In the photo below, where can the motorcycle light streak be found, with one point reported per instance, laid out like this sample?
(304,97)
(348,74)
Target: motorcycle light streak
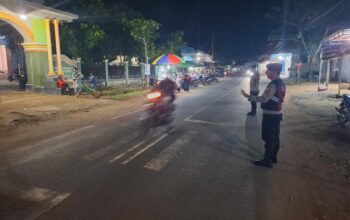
(154,95)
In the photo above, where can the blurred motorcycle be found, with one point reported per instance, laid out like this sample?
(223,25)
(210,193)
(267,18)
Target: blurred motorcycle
(343,111)
(160,110)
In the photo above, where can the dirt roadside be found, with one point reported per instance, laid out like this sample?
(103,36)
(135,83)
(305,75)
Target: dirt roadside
(313,175)
(25,118)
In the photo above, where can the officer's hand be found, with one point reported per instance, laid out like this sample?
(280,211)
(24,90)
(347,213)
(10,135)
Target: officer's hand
(244,94)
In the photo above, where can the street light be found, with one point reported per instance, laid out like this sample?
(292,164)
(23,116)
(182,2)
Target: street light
(23,17)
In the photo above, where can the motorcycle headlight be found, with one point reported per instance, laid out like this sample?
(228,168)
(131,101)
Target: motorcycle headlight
(154,95)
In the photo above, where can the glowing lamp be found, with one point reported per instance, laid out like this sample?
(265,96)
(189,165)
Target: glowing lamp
(23,17)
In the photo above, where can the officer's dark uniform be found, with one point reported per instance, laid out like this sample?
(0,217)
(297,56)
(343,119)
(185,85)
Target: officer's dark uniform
(271,104)
(272,117)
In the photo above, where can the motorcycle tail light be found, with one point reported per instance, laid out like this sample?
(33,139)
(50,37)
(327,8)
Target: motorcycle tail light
(154,95)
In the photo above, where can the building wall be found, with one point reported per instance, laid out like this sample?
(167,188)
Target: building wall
(345,68)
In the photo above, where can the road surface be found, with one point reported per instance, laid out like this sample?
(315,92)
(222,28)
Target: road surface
(198,168)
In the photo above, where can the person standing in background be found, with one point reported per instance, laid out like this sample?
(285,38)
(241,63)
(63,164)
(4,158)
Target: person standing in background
(254,89)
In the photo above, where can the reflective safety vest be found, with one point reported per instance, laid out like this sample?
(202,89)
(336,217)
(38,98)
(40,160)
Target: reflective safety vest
(275,103)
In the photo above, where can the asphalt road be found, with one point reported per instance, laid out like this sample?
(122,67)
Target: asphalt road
(198,168)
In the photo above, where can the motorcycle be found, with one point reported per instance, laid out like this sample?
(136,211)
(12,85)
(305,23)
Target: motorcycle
(12,77)
(159,111)
(211,78)
(343,111)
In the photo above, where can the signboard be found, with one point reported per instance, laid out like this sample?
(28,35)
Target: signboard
(147,69)
(285,59)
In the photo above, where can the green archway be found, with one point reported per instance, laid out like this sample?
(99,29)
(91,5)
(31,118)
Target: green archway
(33,21)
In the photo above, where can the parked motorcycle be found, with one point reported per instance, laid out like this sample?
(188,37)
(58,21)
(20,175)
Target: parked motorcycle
(12,77)
(160,110)
(211,78)
(343,111)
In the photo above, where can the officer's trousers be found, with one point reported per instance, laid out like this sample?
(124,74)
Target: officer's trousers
(271,135)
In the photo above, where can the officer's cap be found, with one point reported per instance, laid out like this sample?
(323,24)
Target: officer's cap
(274,67)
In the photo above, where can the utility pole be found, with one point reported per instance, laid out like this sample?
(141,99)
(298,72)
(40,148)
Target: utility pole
(212,45)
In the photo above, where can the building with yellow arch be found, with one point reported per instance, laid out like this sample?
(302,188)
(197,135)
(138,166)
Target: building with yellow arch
(37,23)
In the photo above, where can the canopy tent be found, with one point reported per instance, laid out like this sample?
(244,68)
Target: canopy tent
(168,59)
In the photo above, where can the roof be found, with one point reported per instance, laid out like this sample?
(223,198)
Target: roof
(336,44)
(341,35)
(37,10)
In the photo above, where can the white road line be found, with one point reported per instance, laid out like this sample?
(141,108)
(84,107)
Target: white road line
(134,147)
(49,205)
(33,194)
(58,137)
(129,150)
(165,156)
(146,148)
(46,199)
(130,113)
(206,122)
(100,153)
(72,132)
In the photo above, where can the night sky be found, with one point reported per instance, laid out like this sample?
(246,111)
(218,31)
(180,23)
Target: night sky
(239,26)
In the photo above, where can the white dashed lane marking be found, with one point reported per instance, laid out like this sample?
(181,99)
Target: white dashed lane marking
(146,148)
(133,148)
(45,199)
(129,113)
(101,152)
(165,156)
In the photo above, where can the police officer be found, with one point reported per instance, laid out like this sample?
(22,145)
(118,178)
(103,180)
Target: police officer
(254,89)
(271,104)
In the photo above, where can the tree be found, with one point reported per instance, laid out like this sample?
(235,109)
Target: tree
(83,40)
(304,24)
(83,37)
(145,31)
(175,42)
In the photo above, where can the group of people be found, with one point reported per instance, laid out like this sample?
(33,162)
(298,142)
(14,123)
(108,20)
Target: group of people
(183,83)
(63,84)
(179,82)
(271,103)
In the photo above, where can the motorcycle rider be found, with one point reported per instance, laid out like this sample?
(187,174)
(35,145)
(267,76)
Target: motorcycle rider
(168,87)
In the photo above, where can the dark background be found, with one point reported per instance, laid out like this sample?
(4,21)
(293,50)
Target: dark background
(239,26)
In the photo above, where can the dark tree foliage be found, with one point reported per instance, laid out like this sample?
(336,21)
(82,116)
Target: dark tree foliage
(104,31)
(302,25)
